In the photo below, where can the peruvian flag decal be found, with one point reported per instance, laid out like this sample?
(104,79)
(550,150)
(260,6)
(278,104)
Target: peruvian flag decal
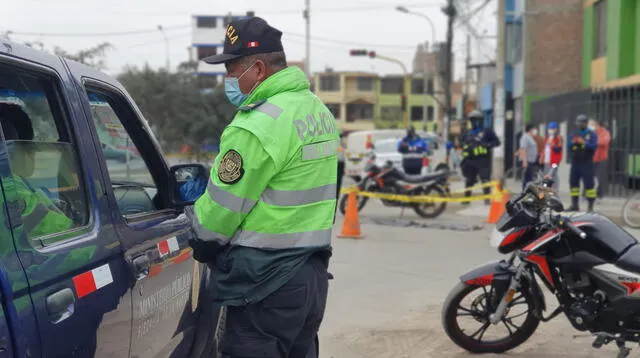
(167,247)
(252,44)
(91,281)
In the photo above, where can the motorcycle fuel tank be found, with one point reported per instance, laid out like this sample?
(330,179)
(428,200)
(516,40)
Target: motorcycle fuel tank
(604,239)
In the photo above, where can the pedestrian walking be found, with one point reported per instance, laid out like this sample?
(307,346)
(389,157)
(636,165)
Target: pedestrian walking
(601,156)
(552,152)
(529,154)
(582,146)
(413,149)
(264,223)
(477,145)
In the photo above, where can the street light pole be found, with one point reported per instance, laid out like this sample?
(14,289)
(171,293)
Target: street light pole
(426,78)
(166,45)
(307,17)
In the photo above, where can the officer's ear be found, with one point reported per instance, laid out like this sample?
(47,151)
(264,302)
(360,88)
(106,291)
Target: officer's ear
(262,70)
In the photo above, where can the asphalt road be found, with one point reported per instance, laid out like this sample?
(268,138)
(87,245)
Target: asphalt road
(388,290)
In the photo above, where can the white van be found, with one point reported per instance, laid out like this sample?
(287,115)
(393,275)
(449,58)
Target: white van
(359,145)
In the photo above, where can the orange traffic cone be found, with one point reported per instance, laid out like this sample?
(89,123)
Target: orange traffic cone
(351,223)
(498,203)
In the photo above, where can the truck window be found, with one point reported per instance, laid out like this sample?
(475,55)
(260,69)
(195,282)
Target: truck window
(45,193)
(131,179)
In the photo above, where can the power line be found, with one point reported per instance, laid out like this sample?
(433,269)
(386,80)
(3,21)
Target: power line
(86,34)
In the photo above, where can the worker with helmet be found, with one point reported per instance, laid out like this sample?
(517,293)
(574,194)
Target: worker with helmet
(477,145)
(413,149)
(582,146)
(552,154)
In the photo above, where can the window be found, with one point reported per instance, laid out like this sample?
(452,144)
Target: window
(206,22)
(365,84)
(44,191)
(391,113)
(416,113)
(417,86)
(430,113)
(600,27)
(334,108)
(329,83)
(204,52)
(391,85)
(131,178)
(430,87)
(359,111)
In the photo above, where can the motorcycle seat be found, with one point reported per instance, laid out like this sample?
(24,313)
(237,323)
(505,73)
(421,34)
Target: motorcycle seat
(630,260)
(417,179)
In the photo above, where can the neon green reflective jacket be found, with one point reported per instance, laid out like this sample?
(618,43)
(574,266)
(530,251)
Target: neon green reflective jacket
(272,189)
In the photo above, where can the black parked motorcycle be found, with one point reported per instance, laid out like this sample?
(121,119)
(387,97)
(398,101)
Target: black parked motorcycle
(390,180)
(590,264)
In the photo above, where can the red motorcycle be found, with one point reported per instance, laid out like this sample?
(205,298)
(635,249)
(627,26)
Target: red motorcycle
(590,264)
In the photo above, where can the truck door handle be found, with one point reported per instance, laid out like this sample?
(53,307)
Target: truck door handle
(140,266)
(60,305)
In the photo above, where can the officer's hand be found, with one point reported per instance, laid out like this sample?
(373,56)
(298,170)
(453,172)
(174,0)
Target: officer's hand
(203,251)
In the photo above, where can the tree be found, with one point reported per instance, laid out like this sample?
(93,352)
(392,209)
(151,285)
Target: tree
(94,56)
(178,110)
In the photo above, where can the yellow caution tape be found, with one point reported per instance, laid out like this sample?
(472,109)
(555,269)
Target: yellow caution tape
(454,197)
(425,198)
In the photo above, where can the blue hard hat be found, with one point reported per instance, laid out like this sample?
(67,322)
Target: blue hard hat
(552,125)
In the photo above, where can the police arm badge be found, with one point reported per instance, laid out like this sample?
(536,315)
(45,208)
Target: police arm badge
(230,169)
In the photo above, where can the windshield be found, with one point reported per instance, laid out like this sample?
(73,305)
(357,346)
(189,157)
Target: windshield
(386,146)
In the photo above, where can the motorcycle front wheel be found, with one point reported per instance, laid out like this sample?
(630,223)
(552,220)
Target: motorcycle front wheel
(362,201)
(518,324)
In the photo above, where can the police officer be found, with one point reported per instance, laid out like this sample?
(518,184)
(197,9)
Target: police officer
(413,149)
(582,145)
(265,221)
(476,153)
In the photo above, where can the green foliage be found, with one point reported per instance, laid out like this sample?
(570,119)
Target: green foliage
(93,56)
(175,106)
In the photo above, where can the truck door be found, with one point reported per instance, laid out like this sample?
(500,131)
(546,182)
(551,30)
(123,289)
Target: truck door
(70,255)
(154,236)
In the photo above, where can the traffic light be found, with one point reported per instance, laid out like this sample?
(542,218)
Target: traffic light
(358,52)
(372,54)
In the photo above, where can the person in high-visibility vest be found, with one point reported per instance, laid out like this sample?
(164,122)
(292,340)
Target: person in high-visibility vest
(265,221)
(476,153)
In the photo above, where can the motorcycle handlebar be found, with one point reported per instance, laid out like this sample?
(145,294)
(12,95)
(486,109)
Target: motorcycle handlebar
(581,234)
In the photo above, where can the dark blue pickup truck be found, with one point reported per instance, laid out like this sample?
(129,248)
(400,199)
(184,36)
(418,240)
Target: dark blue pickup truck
(94,253)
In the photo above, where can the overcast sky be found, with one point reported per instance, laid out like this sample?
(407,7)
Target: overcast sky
(336,27)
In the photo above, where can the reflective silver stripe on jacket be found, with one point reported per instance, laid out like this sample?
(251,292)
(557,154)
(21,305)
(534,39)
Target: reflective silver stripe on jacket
(202,233)
(34,218)
(229,200)
(320,150)
(282,241)
(299,197)
(270,110)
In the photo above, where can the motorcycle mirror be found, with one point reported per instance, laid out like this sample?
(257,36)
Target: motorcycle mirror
(555,204)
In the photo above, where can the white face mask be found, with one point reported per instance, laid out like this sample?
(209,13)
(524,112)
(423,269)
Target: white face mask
(534,132)
(592,127)
(551,132)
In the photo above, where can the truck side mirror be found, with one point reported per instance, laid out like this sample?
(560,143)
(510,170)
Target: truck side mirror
(190,182)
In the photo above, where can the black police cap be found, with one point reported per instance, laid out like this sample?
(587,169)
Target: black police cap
(245,37)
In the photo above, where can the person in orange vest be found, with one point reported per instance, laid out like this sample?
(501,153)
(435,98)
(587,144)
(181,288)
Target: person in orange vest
(552,152)
(601,156)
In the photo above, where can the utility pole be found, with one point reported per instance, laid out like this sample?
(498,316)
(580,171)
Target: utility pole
(307,16)
(498,110)
(466,67)
(450,11)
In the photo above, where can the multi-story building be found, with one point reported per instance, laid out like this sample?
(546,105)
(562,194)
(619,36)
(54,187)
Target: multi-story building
(207,39)
(359,99)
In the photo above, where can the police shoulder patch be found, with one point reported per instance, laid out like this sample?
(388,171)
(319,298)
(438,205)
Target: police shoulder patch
(252,106)
(230,169)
